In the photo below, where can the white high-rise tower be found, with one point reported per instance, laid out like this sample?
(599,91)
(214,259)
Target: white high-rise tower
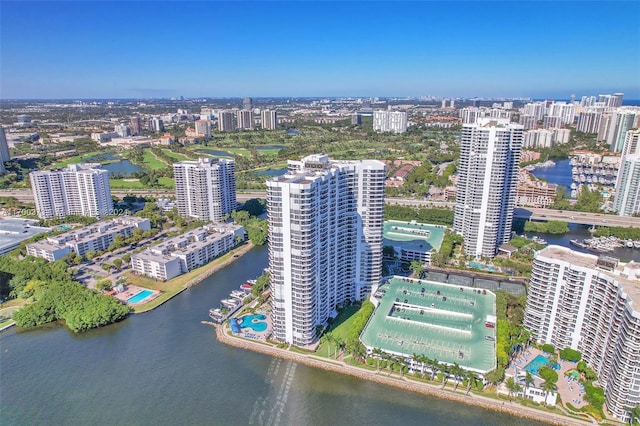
(325,241)
(80,189)
(487,184)
(206,188)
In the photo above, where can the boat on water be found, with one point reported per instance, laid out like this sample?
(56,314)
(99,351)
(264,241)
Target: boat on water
(229,303)
(578,244)
(246,286)
(539,240)
(628,244)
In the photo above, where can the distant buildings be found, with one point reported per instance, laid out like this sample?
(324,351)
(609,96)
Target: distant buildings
(269,119)
(627,199)
(183,253)
(123,130)
(390,121)
(157,125)
(4,150)
(206,188)
(325,241)
(96,237)
(225,121)
(545,138)
(247,104)
(590,304)
(79,189)
(487,179)
(203,129)
(621,121)
(245,119)
(136,126)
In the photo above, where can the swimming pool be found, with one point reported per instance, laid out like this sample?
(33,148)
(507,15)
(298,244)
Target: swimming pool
(140,296)
(538,362)
(255,322)
(482,267)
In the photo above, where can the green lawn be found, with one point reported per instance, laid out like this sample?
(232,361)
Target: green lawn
(339,329)
(175,155)
(164,182)
(152,162)
(75,159)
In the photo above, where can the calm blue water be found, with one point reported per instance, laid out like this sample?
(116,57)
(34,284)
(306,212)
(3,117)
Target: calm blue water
(140,296)
(216,152)
(272,172)
(165,367)
(481,267)
(538,362)
(248,322)
(560,174)
(98,158)
(293,132)
(123,167)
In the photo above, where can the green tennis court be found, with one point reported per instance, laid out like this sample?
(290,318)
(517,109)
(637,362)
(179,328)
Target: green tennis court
(450,323)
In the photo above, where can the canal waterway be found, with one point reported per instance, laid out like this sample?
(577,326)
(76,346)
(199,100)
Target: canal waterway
(559,174)
(165,367)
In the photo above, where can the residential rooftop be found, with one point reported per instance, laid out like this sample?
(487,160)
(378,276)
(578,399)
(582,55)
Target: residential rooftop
(627,274)
(413,235)
(14,231)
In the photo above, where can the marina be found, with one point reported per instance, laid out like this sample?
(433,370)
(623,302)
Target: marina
(228,307)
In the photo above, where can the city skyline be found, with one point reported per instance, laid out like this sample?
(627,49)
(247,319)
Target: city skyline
(453,49)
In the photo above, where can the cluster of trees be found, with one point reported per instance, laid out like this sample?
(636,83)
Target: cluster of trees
(55,296)
(550,227)
(424,365)
(255,206)
(570,354)
(509,331)
(449,242)
(620,232)
(256,229)
(426,215)
(588,201)
(353,345)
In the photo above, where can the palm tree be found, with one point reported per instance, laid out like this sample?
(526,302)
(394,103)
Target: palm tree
(512,386)
(472,377)
(457,371)
(548,387)
(444,369)
(528,381)
(434,365)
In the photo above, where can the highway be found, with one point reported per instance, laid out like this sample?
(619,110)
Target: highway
(532,213)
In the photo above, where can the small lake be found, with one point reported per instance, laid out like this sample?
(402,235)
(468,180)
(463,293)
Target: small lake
(216,152)
(293,132)
(114,165)
(122,167)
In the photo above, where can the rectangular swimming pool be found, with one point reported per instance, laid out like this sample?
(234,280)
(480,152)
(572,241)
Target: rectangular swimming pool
(140,296)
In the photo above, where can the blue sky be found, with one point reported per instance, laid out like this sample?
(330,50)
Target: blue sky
(128,49)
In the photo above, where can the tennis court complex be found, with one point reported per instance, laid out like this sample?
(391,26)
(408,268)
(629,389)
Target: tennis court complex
(450,323)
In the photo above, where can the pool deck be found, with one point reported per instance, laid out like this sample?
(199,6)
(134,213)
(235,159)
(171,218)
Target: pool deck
(132,290)
(568,387)
(249,333)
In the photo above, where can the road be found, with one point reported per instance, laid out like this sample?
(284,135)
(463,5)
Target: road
(532,213)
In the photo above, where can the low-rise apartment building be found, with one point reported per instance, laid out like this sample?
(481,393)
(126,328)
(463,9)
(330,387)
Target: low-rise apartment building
(187,251)
(96,237)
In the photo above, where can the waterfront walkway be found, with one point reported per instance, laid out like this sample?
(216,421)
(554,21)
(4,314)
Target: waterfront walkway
(513,408)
